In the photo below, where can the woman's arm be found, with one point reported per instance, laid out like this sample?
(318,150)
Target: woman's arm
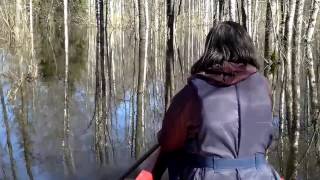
(173,133)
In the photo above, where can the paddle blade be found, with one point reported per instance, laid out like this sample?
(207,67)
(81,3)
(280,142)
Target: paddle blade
(144,175)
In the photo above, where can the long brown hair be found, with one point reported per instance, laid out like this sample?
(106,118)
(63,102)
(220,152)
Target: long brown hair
(226,42)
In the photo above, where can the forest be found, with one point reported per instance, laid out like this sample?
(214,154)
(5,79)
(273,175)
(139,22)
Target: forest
(84,84)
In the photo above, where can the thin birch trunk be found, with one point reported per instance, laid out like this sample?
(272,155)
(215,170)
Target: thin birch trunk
(103,28)
(143,54)
(33,68)
(288,62)
(292,166)
(311,69)
(232,10)
(221,9)
(169,83)
(244,15)
(268,49)
(67,153)
(18,22)
(23,127)
(249,17)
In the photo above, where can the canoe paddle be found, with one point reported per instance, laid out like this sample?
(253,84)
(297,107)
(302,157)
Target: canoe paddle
(139,162)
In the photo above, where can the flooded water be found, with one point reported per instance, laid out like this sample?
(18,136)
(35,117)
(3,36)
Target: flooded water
(32,84)
(32,100)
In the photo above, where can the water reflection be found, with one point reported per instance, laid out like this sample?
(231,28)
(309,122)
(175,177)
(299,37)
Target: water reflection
(32,99)
(34,104)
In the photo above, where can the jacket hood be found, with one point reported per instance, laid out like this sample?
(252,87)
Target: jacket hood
(227,74)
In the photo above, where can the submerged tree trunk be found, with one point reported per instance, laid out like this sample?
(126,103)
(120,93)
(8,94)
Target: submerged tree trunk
(103,121)
(22,117)
(8,133)
(67,152)
(169,84)
(100,111)
(143,54)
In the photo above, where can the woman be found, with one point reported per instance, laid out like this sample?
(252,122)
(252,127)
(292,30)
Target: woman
(219,125)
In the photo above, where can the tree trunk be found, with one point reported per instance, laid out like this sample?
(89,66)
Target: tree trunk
(169,84)
(103,45)
(232,10)
(23,127)
(243,15)
(221,9)
(67,152)
(268,41)
(18,22)
(292,167)
(247,15)
(311,68)
(32,68)
(143,54)
(8,134)
(288,62)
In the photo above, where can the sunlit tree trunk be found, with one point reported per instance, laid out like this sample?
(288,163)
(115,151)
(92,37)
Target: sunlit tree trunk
(214,7)
(8,133)
(292,166)
(143,54)
(311,69)
(207,12)
(189,33)
(232,10)
(133,98)
(67,152)
(280,89)
(18,22)
(256,16)
(156,38)
(288,62)
(33,66)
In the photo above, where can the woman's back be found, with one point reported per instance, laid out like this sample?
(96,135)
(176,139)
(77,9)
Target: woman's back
(235,123)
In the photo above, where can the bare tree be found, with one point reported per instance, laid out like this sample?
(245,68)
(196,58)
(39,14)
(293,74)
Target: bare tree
(169,84)
(288,61)
(292,166)
(67,152)
(232,10)
(143,54)
(311,69)
(269,44)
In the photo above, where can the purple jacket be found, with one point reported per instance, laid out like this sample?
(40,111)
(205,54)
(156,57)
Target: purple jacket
(226,116)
